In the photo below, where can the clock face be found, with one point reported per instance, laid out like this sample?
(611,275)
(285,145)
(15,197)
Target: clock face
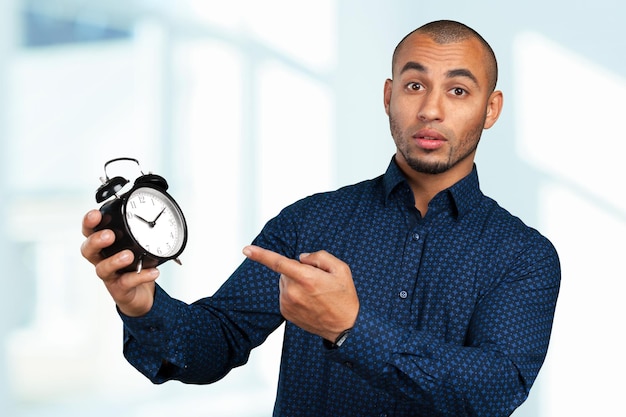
(155,221)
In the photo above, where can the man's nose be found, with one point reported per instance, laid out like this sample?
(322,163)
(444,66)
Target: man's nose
(431,108)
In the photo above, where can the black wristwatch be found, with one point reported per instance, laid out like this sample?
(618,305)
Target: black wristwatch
(339,341)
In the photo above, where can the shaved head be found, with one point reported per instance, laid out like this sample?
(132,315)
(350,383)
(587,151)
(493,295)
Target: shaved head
(449,31)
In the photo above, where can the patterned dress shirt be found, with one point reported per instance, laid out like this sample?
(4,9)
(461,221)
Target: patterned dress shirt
(456,308)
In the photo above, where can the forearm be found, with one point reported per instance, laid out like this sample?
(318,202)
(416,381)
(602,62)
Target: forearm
(448,379)
(178,341)
(202,342)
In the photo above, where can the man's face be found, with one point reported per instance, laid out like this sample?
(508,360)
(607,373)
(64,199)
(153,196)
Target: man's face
(438,104)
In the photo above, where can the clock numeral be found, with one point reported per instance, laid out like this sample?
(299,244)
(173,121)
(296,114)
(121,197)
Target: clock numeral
(142,198)
(133,204)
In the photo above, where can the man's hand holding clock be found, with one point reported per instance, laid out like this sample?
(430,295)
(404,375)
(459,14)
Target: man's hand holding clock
(132,292)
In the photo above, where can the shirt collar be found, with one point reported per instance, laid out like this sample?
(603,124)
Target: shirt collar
(460,197)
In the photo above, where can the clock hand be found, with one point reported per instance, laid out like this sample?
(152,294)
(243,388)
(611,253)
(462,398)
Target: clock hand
(142,219)
(153,222)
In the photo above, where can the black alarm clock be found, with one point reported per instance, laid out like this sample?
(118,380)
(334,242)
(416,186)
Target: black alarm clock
(144,218)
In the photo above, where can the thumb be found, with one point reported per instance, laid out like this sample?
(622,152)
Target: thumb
(320,259)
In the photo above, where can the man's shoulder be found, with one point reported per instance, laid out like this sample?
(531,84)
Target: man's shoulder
(509,229)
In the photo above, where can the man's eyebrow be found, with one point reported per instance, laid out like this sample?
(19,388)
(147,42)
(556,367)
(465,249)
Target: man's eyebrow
(412,65)
(462,72)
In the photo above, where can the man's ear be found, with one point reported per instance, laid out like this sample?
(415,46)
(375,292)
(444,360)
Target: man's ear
(494,108)
(387,94)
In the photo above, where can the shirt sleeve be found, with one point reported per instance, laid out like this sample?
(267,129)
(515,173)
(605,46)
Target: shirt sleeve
(491,373)
(203,341)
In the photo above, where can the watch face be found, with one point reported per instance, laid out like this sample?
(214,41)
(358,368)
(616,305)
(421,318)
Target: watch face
(155,222)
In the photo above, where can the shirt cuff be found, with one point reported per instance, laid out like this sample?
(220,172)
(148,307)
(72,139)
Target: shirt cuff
(151,328)
(369,348)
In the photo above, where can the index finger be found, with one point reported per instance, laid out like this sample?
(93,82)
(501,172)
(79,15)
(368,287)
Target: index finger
(274,261)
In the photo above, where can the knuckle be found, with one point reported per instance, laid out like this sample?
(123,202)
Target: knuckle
(83,250)
(278,265)
(86,246)
(344,268)
(102,270)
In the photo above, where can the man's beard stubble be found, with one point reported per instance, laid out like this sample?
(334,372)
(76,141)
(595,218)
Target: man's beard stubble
(435,167)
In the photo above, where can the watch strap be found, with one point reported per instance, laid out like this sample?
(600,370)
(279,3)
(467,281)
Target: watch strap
(339,341)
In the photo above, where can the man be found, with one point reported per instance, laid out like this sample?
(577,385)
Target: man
(411,294)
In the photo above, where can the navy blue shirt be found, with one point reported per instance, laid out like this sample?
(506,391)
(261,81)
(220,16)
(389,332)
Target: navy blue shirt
(456,308)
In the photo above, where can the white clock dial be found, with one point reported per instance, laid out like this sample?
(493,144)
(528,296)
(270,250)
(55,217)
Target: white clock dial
(155,222)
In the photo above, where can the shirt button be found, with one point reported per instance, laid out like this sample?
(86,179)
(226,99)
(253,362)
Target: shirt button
(403,294)
(349,364)
(416,236)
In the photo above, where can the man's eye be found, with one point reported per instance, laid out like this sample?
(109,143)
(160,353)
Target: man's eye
(458,91)
(415,86)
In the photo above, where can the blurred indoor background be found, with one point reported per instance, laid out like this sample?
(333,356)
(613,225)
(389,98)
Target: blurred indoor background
(246,106)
